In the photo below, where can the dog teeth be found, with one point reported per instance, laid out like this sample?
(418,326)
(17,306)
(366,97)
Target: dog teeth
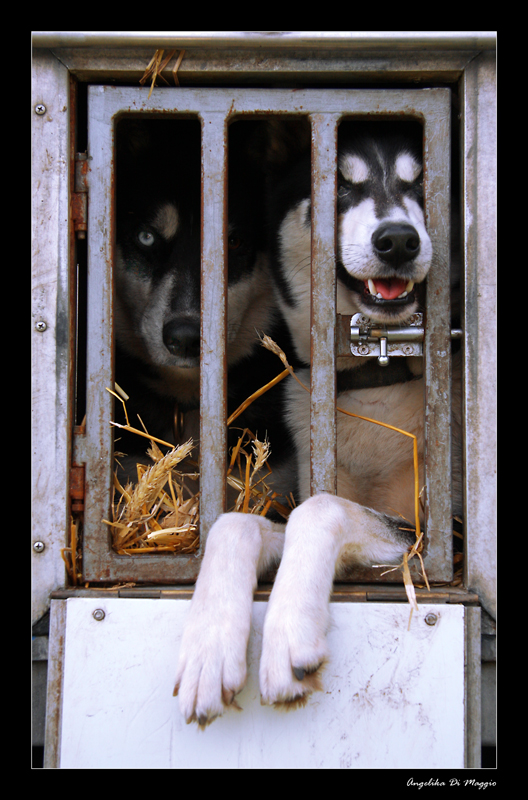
(408,288)
(372,289)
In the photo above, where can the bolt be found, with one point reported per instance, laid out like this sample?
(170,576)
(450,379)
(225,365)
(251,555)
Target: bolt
(40,327)
(40,109)
(431,619)
(363,350)
(98,614)
(38,547)
(407,349)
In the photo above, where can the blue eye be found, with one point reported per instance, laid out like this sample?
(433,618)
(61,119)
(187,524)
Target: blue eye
(146,238)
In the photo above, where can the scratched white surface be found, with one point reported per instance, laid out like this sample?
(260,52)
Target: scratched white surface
(392,698)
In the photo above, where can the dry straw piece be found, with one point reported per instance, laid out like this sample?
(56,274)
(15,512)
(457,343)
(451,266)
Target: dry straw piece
(161,511)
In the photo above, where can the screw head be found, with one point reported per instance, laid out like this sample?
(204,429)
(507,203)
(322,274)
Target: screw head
(99,614)
(40,326)
(38,547)
(40,109)
(431,619)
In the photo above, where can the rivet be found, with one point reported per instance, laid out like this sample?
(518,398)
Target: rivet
(40,109)
(38,547)
(431,619)
(98,614)
(40,326)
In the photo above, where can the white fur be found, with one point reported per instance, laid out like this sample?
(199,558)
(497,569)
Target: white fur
(407,168)
(167,220)
(353,168)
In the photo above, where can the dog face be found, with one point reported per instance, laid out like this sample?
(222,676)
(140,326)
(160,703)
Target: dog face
(157,315)
(383,252)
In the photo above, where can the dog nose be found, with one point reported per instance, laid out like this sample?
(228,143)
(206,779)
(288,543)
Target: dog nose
(181,337)
(396,242)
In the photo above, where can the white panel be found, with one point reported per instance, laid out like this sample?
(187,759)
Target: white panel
(392,698)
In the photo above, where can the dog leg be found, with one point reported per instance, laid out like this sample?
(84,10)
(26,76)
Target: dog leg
(212,660)
(322,533)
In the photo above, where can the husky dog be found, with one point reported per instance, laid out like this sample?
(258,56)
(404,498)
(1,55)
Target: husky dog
(157,308)
(384,254)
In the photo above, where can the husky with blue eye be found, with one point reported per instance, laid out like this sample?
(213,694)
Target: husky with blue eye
(384,253)
(157,280)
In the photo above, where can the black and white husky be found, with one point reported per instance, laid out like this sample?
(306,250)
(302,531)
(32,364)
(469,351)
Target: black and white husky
(157,305)
(384,255)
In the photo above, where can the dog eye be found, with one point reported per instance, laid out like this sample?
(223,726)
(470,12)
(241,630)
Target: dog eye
(343,191)
(146,238)
(234,242)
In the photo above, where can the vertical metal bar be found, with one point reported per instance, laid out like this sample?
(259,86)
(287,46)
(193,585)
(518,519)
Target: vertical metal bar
(323,320)
(437,347)
(57,636)
(473,687)
(213,408)
(99,327)
(479,153)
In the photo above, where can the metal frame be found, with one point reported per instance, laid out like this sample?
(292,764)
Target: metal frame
(466,58)
(427,58)
(216,108)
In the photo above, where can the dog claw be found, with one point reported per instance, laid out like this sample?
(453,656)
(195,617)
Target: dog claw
(299,673)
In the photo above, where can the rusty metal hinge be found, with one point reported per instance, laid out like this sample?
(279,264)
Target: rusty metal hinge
(77,492)
(79,198)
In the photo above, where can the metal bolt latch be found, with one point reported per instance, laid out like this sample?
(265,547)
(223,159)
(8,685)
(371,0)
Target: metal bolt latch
(40,109)
(368,338)
(99,614)
(38,547)
(431,619)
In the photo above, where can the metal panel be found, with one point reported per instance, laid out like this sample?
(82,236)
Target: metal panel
(216,107)
(479,155)
(51,332)
(393,696)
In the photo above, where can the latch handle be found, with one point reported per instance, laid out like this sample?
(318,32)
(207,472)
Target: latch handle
(368,338)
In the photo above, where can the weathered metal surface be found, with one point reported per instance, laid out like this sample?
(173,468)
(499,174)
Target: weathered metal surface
(390,40)
(213,407)
(392,697)
(437,345)
(479,150)
(50,330)
(323,314)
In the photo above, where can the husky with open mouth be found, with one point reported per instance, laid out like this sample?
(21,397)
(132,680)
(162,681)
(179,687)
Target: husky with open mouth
(384,254)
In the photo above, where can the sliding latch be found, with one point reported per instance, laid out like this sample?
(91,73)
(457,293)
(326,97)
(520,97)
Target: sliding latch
(368,338)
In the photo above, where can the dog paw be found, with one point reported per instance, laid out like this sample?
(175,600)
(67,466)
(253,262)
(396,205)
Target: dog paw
(212,669)
(294,652)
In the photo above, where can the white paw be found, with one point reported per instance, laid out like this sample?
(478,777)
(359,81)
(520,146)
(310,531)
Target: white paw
(294,651)
(212,663)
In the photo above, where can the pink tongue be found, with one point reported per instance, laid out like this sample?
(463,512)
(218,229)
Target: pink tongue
(390,288)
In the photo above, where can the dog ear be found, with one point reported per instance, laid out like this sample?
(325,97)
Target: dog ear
(134,138)
(287,139)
